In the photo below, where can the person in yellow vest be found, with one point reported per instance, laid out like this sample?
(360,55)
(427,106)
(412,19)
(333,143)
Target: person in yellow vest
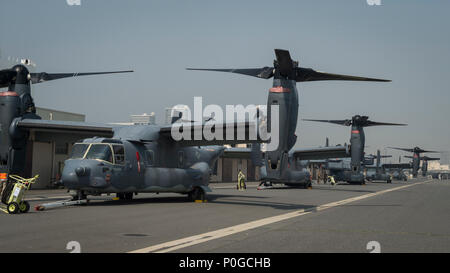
(331,180)
(241,181)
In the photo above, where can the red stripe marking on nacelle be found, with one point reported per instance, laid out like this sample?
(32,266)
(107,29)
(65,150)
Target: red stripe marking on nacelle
(279,89)
(8,94)
(355,132)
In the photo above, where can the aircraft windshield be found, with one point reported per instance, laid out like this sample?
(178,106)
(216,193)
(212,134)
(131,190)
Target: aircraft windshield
(79,150)
(100,151)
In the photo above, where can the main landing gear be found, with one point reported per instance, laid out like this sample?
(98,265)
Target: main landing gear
(197,195)
(125,196)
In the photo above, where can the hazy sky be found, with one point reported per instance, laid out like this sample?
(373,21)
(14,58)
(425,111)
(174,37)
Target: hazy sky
(406,41)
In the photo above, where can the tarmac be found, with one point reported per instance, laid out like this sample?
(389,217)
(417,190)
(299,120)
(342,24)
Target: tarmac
(410,216)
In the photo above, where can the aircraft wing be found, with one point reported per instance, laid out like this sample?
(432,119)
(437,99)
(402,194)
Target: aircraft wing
(204,134)
(322,153)
(50,130)
(244,153)
(397,166)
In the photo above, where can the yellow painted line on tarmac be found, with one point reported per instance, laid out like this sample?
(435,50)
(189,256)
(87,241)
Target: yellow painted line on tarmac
(208,236)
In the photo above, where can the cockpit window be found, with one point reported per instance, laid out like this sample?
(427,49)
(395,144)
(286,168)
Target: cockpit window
(78,150)
(100,151)
(119,154)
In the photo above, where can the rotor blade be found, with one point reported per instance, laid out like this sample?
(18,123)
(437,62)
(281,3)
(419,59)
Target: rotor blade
(43,76)
(285,63)
(424,151)
(309,74)
(429,158)
(6,76)
(402,149)
(263,73)
(344,122)
(373,123)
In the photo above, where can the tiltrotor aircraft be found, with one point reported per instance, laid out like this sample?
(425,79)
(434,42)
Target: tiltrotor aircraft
(378,172)
(17,108)
(353,173)
(277,165)
(109,159)
(416,158)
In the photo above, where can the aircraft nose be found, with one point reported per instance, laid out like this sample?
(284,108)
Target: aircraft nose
(74,175)
(82,171)
(69,179)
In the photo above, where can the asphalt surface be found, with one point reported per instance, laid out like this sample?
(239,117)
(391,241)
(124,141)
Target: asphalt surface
(399,217)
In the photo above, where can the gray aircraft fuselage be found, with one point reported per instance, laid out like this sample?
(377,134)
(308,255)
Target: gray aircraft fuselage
(100,165)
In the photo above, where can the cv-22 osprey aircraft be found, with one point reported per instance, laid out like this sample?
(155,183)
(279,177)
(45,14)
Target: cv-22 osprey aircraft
(284,165)
(377,172)
(416,158)
(353,173)
(111,158)
(17,106)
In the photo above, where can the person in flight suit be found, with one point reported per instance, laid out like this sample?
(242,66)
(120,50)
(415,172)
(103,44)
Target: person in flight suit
(241,181)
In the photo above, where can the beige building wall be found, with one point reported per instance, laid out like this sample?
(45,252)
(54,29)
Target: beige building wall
(42,163)
(45,160)
(49,114)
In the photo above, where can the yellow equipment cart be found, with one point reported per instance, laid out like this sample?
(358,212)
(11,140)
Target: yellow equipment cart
(14,194)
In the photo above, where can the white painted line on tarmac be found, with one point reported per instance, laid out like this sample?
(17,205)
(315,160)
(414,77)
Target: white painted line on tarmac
(208,236)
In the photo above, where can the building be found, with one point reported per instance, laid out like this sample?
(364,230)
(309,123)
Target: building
(144,119)
(174,111)
(227,168)
(437,166)
(47,158)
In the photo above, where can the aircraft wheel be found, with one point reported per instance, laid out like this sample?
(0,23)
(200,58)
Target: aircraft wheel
(128,196)
(197,194)
(24,207)
(13,208)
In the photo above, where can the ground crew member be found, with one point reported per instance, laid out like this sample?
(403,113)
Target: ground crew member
(331,180)
(241,181)
(319,175)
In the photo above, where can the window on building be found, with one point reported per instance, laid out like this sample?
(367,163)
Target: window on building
(61,148)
